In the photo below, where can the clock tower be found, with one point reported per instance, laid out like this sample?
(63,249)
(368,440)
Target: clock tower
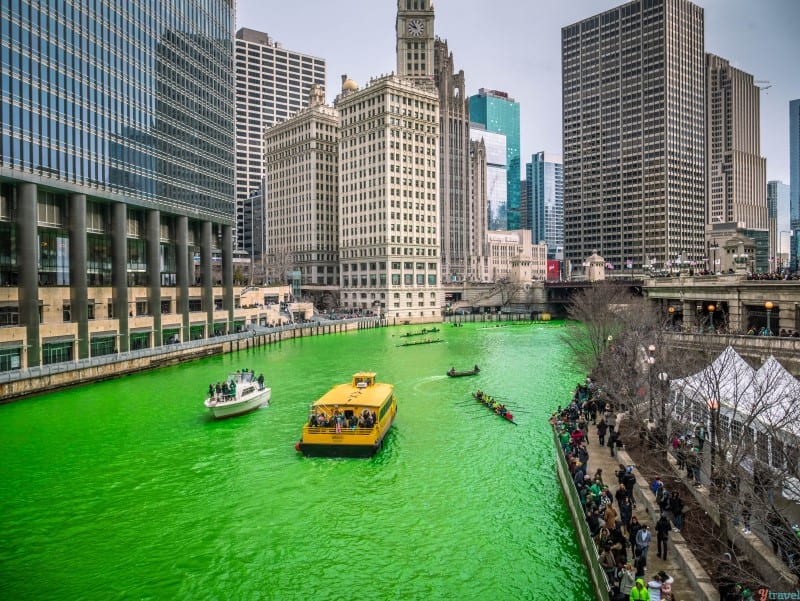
(415,39)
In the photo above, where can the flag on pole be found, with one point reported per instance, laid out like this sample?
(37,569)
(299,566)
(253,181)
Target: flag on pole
(609,265)
(629,263)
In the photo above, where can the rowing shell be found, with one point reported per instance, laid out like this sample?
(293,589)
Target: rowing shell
(486,400)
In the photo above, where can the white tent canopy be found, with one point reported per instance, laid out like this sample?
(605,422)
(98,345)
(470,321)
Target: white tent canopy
(760,409)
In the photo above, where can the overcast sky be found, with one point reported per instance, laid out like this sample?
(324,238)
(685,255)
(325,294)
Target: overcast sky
(515,46)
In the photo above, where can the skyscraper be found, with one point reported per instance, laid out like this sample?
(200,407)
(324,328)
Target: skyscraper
(272,83)
(457,217)
(633,131)
(389,239)
(736,174)
(794,182)
(116,171)
(498,113)
(779,223)
(545,197)
(301,190)
(496,181)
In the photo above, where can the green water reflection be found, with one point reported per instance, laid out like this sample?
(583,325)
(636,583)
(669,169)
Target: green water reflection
(128,490)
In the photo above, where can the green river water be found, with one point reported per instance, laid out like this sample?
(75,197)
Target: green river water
(126,489)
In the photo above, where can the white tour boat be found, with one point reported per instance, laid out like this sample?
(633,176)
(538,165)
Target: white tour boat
(241,392)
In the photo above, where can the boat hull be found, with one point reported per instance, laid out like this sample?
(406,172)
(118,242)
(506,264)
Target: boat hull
(342,445)
(222,409)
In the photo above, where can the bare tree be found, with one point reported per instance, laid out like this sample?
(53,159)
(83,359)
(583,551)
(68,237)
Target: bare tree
(280,261)
(605,317)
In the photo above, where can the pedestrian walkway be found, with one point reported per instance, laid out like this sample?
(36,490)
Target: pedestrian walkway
(600,457)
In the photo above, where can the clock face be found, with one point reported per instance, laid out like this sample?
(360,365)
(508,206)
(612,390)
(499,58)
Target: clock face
(416,28)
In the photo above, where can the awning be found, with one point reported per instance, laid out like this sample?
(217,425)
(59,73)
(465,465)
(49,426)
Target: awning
(12,344)
(104,334)
(58,339)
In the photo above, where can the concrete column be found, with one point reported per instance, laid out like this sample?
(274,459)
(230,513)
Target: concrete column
(182,275)
(206,279)
(78,292)
(28,271)
(227,273)
(154,271)
(119,271)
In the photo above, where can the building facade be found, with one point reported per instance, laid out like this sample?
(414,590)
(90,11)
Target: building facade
(497,112)
(633,134)
(454,186)
(794,182)
(479,198)
(545,201)
(272,84)
(116,177)
(389,210)
(779,225)
(496,177)
(736,174)
(415,39)
(301,191)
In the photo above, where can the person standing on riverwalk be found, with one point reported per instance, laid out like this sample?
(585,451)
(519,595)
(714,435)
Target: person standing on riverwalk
(639,591)
(662,535)
(643,539)
(602,427)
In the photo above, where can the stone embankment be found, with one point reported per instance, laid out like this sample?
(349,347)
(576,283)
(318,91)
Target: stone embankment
(19,384)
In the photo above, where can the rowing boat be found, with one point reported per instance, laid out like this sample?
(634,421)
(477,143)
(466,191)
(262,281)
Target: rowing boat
(418,342)
(495,406)
(420,333)
(459,374)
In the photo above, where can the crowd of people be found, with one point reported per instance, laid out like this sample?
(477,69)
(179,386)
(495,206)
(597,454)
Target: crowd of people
(226,391)
(622,542)
(341,420)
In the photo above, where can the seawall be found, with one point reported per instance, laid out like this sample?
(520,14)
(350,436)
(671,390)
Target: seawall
(15,385)
(587,546)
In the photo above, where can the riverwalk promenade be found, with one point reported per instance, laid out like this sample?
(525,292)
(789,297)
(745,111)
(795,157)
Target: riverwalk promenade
(690,580)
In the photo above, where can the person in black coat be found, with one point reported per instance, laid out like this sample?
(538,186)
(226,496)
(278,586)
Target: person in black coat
(662,535)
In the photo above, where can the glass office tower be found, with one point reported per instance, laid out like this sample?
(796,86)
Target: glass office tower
(496,177)
(794,182)
(116,175)
(498,113)
(544,179)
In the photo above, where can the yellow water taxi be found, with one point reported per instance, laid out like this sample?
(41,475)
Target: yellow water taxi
(350,420)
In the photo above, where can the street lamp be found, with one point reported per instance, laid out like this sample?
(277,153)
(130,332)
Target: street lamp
(671,312)
(768,306)
(714,248)
(713,407)
(711,309)
(650,362)
(663,377)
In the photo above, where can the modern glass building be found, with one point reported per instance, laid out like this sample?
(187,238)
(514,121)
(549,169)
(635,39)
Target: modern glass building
(498,113)
(496,177)
(116,175)
(779,225)
(544,181)
(794,182)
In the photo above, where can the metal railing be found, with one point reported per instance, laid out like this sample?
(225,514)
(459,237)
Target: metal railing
(167,349)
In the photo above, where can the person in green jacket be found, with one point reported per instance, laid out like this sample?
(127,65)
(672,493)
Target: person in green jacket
(639,591)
